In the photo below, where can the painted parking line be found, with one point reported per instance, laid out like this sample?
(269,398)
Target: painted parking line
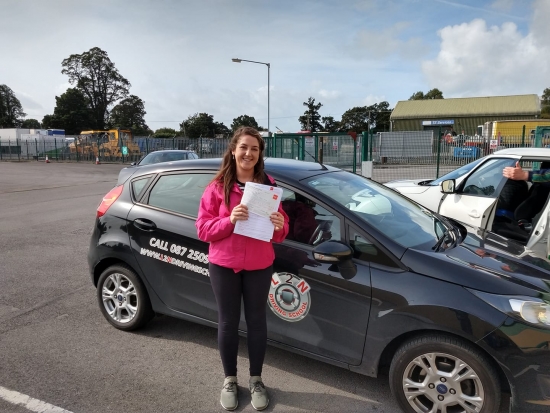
(34,405)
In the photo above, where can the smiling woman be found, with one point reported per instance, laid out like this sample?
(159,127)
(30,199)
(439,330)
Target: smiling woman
(240,267)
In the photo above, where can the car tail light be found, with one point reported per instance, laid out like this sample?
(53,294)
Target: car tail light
(109,200)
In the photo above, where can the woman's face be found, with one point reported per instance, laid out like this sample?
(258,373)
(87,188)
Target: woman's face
(247,153)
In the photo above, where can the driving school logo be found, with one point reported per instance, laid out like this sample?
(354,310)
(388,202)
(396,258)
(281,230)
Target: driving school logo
(289,296)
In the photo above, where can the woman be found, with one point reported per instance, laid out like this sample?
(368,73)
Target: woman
(239,266)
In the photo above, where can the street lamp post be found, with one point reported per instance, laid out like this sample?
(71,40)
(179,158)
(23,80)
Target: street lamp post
(268,67)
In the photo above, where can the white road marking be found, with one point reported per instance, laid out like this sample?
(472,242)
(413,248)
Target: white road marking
(34,405)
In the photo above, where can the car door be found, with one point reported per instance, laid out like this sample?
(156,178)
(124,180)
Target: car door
(539,240)
(312,307)
(164,240)
(475,199)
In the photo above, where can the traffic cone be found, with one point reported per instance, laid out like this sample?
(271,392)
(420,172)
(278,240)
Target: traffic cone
(97,160)
(47,160)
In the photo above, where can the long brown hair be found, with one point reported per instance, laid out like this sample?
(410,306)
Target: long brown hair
(227,175)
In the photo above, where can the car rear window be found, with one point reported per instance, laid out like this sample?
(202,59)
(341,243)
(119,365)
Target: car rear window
(180,192)
(138,185)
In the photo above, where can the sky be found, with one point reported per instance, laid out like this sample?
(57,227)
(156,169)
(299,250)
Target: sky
(343,53)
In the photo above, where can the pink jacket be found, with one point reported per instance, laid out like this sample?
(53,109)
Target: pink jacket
(226,248)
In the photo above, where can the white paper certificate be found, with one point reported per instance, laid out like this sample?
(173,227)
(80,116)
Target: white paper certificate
(262,201)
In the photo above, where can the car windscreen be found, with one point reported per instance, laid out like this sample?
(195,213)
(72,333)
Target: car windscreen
(153,157)
(407,223)
(457,173)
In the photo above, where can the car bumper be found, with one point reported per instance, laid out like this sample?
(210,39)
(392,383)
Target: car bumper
(523,352)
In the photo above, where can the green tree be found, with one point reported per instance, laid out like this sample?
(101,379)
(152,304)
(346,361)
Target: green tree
(30,124)
(221,129)
(355,119)
(545,104)
(201,124)
(311,119)
(11,111)
(329,124)
(96,77)
(244,120)
(379,115)
(432,94)
(128,114)
(72,113)
(165,133)
(49,122)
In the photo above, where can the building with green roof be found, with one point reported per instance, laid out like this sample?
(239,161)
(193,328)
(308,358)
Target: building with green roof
(462,114)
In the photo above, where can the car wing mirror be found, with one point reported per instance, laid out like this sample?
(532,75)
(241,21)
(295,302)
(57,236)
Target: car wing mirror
(448,186)
(132,164)
(339,255)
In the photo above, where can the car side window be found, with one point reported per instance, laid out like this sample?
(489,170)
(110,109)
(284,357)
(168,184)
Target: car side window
(365,250)
(309,222)
(485,180)
(179,193)
(138,185)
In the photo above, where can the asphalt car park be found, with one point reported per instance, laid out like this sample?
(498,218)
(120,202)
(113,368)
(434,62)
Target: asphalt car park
(57,348)
(357,293)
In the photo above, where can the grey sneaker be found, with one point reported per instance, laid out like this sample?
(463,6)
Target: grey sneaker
(260,399)
(229,396)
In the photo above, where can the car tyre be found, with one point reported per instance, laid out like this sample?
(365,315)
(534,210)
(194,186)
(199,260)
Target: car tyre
(123,299)
(442,373)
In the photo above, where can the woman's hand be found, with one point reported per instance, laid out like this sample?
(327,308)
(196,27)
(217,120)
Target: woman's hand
(278,220)
(239,213)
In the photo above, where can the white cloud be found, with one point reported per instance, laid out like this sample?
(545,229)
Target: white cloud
(477,60)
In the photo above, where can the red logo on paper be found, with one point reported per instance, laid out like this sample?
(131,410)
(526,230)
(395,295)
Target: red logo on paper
(275,196)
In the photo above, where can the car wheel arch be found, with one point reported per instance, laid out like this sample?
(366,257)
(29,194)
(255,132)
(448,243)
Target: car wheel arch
(109,262)
(386,357)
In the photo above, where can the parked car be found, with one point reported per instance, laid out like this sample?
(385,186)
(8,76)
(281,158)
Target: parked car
(481,196)
(168,155)
(457,314)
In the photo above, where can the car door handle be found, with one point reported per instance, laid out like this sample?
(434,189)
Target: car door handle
(474,214)
(144,224)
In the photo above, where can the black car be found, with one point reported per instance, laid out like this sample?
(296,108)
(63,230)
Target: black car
(456,314)
(165,155)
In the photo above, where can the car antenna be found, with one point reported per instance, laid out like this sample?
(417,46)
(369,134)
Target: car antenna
(314,158)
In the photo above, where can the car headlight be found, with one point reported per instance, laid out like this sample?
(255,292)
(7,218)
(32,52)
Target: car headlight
(533,310)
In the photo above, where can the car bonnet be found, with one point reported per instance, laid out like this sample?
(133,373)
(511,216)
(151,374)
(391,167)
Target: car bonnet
(487,262)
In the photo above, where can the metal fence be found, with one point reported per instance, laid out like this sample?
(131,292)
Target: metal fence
(382,156)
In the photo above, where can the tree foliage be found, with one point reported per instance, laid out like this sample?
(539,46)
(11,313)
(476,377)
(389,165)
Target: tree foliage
(311,119)
(165,133)
(129,114)
(202,125)
(72,113)
(380,116)
(96,77)
(363,118)
(355,120)
(11,111)
(30,124)
(244,120)
(329,124)
(432,94)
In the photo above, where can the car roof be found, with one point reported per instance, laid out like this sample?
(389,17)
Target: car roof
(273,166)
(531,152)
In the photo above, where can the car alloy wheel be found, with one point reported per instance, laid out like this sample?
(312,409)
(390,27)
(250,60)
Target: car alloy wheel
(123,299)
(443,374)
